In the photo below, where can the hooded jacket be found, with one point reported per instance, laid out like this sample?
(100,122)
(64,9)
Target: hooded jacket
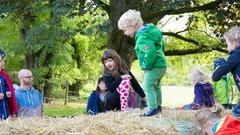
(232,64)
(150,47)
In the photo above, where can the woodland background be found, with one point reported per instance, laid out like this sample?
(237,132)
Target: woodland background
(62,41)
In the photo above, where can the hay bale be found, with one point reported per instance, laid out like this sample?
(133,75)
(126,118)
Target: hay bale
(110,123)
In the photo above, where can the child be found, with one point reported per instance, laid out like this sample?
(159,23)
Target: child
(8,105)
(232,64)
(203,90)
(210,121)
(149,49)
(224,91)
(97,100)
(118,77)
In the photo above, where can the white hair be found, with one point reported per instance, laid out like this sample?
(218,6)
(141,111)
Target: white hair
(130,18)
(198,75)
(233,34)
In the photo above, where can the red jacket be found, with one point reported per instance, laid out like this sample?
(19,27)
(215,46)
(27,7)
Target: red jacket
(230,126)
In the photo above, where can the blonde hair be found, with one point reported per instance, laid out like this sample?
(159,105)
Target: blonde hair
(130,18)
(233,34)
(197,74)
(207,114)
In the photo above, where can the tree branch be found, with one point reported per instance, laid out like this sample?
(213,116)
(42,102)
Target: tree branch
(103,5)
(161,14)
(185,52)
(195,42)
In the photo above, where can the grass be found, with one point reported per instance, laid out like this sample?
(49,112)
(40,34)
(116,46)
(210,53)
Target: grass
(173,96)
(58,109)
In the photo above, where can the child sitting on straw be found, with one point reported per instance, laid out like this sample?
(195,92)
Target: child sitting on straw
(203,90)
(97,100)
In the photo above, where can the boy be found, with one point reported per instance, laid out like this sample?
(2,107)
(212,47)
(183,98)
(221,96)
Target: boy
(232,64)
(149,49)
(8,106)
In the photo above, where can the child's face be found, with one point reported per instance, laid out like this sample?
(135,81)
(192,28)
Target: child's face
(232,45)
(109,64)
(102,86)
(1,63)
(129,31)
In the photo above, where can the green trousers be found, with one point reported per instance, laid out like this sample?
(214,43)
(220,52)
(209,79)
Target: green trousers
(152,87)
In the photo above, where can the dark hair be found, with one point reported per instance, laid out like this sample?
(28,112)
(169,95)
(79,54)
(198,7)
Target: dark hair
(121,67)
(100,79)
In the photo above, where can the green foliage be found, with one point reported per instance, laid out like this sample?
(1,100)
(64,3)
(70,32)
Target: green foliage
(179,66)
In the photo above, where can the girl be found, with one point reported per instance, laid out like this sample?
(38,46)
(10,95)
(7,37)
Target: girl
(119,80)
(232,64)
(203,90)
(8,105)
(210,122)
(97,100)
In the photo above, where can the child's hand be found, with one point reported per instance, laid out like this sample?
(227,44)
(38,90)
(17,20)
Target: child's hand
(1,96)
(145,99)
(131,89)
(127,76)
(8,94)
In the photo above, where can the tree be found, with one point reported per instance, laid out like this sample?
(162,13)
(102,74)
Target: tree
(216,12)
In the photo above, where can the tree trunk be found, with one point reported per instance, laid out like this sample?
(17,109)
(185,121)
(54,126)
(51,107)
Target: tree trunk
(74,88)
(117,41)
(48,84)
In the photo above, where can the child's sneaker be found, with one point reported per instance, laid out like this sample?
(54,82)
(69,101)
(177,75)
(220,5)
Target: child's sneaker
(151,112)
(159,108)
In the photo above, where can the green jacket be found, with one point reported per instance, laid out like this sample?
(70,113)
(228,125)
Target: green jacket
(150,47)
(225,92)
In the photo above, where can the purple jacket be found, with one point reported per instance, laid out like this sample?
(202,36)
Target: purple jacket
(204,95)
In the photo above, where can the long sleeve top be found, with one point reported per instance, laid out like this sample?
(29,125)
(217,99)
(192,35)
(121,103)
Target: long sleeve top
(112,84)
(232,64)
(204,95)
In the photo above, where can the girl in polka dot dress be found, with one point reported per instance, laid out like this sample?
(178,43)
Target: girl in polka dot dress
(117,77)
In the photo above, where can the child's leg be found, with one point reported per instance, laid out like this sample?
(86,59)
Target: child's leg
(123,90)
(133,98)
(236,110)
(158,91)
(151,88)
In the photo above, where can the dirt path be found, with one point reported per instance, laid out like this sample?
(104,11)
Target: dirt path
(177,95)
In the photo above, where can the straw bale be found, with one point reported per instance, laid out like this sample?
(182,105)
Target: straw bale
(111,123)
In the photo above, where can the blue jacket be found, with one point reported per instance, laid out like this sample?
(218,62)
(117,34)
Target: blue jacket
(95,104)
(232,64)
(92,106)
(30,102)
(4,113)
